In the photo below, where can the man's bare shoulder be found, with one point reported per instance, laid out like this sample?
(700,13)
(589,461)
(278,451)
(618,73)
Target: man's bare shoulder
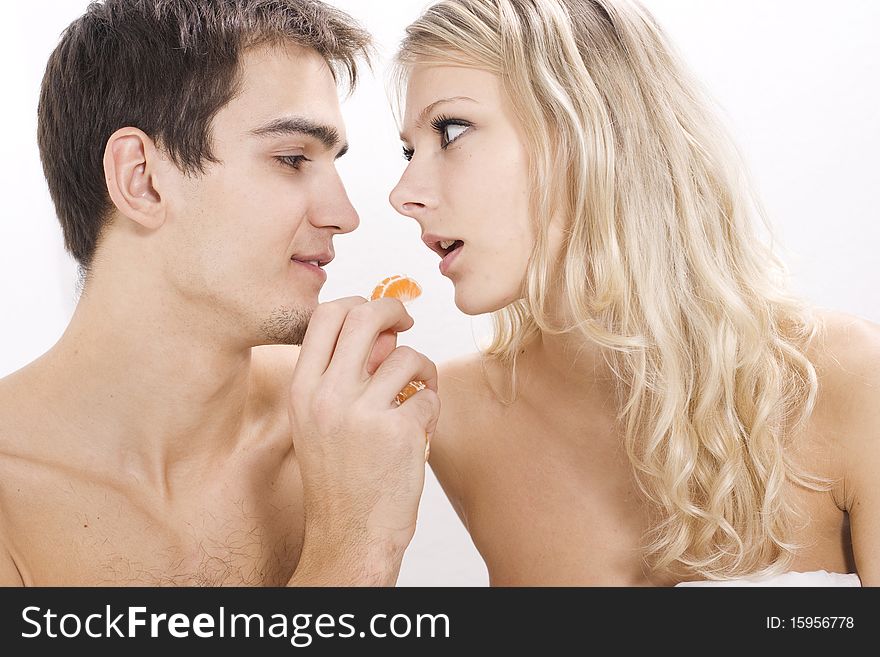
(13,441)
(26,412)
(19,408)
(9,573)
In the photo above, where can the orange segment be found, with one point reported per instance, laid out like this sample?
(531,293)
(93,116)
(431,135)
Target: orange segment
(409,390)
(398,287)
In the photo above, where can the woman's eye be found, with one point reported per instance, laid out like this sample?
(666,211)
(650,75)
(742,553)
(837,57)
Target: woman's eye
(453,131)
(449,129)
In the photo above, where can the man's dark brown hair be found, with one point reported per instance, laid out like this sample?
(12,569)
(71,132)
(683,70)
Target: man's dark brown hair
(166,67)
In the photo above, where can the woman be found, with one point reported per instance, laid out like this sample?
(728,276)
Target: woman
(654,408)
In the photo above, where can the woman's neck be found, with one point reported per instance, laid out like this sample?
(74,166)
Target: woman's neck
(565,366)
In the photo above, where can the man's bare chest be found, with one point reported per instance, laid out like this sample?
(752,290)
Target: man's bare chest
(66,530)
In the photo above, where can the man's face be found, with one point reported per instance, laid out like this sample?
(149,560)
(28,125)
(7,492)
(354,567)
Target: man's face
(247,240)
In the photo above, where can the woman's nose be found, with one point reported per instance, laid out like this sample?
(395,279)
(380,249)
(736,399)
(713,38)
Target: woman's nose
(410,198)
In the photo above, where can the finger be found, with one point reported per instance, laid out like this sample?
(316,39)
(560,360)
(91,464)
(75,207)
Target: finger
(359,333)
(424,408)
(321,336)
(403,365)
(384,345)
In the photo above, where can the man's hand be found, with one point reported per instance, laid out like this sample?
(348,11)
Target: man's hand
(362,457)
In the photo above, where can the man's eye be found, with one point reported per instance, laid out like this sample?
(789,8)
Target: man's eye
(292,161)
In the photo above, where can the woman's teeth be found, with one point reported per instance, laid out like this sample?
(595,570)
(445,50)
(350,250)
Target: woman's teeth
(445,244)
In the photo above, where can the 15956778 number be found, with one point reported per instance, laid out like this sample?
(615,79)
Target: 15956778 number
(810,622)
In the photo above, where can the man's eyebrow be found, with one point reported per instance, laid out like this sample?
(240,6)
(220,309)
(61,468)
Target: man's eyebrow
(420,121)
(326,134)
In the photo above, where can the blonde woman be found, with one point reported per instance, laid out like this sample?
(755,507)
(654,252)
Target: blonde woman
(655,408)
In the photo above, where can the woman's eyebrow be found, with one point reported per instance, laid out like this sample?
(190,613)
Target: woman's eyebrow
(430,108)
(420,121)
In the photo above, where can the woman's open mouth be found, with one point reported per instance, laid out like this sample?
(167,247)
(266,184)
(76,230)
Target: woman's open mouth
(451,249)
(447,248)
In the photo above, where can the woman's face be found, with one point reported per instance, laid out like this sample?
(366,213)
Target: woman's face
(466,183)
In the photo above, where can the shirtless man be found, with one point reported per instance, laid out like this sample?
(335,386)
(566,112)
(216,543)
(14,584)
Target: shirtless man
(189,149)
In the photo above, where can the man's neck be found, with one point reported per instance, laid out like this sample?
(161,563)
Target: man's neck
(154,395)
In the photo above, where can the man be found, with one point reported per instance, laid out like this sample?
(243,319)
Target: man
(189,148)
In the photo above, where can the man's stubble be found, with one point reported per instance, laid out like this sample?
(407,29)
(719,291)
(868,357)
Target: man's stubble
(286,325)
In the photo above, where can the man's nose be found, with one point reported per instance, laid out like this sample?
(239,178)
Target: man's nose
(335,209)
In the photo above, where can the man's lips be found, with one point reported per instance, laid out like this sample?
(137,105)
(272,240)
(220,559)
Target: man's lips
(314,262)
(315,259)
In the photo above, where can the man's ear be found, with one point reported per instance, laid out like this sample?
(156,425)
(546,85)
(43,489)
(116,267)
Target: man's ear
(131,168)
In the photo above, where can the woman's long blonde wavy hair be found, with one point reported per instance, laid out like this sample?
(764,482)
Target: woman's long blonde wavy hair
(662,267)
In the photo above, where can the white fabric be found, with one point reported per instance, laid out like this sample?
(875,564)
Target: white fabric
(814,578)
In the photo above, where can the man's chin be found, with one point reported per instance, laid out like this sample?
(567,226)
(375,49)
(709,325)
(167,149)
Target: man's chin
(286,325)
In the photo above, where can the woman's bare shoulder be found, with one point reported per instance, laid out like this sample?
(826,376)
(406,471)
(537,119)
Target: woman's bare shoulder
(848,365)
(846,354)
(470,414)
(470,390)
(470,382)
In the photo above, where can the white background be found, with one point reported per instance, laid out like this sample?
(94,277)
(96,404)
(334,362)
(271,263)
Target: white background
(799,84)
